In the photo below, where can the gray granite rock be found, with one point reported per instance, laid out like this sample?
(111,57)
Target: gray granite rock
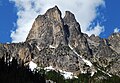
(49,40)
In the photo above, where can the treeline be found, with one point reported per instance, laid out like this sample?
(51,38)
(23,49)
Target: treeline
(99,77)
(12,72)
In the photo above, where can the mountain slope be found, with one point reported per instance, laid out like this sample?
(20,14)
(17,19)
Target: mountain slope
(58,42)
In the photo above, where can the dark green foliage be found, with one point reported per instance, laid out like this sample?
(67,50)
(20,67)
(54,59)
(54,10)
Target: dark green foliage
(113,79)
(11,72)
(58,78)
(99,77)
(54,76)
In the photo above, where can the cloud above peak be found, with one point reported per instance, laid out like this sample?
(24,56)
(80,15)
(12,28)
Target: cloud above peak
(85,12)
(116,30)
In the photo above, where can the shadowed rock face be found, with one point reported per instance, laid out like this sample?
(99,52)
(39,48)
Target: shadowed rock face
(50,40)
(114,41)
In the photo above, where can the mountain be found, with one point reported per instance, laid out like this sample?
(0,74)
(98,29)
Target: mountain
(56,43)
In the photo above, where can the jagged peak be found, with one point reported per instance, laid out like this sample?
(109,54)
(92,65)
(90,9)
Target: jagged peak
(48,28)
(71,22)
(58,42)
(53,9)
(114,35)
(69,17)
(54,13)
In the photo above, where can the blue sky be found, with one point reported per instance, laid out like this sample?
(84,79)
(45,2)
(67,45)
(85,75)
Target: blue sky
(109,18)
(7,18)
(112,16)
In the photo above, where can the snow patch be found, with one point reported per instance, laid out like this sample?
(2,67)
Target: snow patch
(67,75)
(32,65)
(92,73)
(49,68)
(38,48)
(11,59)
(86,61)
(105,72)
(83,72)
(50,46)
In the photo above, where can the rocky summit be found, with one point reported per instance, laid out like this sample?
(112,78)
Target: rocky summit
(58,42)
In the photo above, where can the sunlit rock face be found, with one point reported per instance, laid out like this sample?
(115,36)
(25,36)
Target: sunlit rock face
(48,29)
(58,42)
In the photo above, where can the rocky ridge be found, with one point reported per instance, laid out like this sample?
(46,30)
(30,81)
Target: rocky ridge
(58,42)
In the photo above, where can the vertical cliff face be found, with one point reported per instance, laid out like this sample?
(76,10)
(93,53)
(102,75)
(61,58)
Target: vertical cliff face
(75,37)
(54,35)
(50,30)
(47,29)
(59,42)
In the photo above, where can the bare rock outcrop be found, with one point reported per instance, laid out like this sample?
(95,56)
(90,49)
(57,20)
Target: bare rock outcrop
(59,42)
(47,29)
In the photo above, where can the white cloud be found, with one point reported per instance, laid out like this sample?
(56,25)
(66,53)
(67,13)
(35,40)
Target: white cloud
(84,10)
(116,30)
(96,30)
